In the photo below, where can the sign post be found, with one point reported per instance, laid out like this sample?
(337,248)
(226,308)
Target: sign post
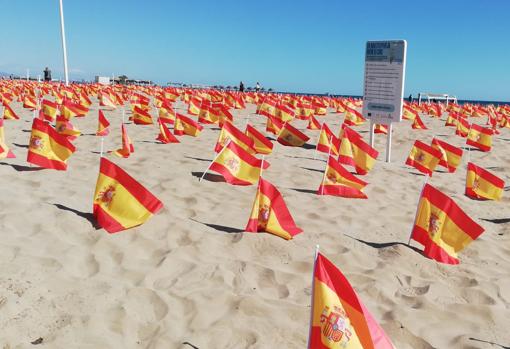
(383,90)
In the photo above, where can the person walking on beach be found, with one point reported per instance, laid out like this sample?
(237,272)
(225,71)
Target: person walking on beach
(257,87)
(241,87)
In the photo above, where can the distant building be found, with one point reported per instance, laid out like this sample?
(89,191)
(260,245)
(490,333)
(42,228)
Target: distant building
(103,80)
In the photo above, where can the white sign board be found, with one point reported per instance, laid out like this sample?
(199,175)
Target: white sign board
(383,91)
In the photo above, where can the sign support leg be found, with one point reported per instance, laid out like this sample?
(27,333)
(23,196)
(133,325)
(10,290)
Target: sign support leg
(388,143)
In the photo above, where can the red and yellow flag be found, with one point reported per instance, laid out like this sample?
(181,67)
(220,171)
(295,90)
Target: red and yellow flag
(462,127)
(48,148)
(237,166)
(354,151)
(313,123)
(274,125)
(29,102)
(339,318)
(481,184)
(423,157)
(127,145)
(165,136)
(480,137)
(450,155)
(418,124)
(5,152)
(166,113)
(70,109)
(261,144)
(270,213)
(186,126)
(194,106)
(328,142)
(408,113)
(66,128)
(49,110)
(380,128)
(231,133)
(9,114)
(120,202)
(107,100)
(353,117)
(442,227)
(337,181)
(141,116)
(291,136)
(102,125)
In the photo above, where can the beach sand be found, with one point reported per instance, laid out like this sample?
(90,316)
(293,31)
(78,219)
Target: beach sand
(190,277)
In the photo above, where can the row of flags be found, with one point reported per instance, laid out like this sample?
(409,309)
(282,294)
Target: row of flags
(339,319)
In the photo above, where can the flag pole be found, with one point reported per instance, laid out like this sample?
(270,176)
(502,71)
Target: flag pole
(318,139)
(325,168)
(313,293)
(417,208)
(64,49)
(213,160)
(102,147)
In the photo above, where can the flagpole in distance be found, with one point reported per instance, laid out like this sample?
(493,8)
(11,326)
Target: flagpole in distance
(417,208)
(313,293)
(64,49)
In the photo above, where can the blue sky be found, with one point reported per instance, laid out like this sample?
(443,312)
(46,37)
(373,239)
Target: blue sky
(456,47)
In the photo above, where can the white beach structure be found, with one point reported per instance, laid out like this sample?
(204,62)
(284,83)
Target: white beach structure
(436,97)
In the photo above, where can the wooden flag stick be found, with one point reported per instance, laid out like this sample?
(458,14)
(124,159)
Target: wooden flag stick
(325,168)
(417,208)
(313,294)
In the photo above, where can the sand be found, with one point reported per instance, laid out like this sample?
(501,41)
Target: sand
(189,278)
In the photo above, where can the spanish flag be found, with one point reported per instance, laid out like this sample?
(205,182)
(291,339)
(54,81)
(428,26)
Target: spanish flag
(186,126)
(450,155)
(261,144)
(452,120)
(353,117)
(442,227)
(268,108)
(66,128)
(231,133)
(120,202)
(338,181)
(418,124)
(270,213)
(480,137)
(481,184)
(380,128)
(423,157)
(462,127)
(313,123)
(207,114)
(165,136)
(102,125)
(291,136)
(70,109)
(29,102)
(106,100)
(9,114)
(127,145)
(354,151)
(328,142)
(141,116)
(166,113)
(284,113)
(273,125)
(408,113)
(237,166)
(194,106)
(47,147)
(5,152)
(339,319)
(49,110)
